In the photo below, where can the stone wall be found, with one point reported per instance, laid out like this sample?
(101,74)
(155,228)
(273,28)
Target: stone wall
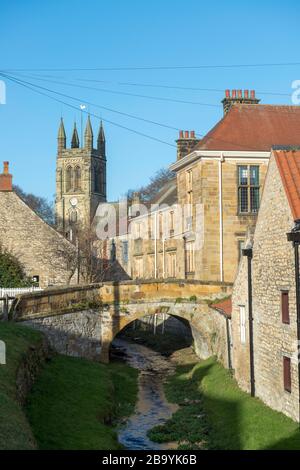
(272,272)
(39,248)
(235,226)
(74,334)
(240,353)
(210,336)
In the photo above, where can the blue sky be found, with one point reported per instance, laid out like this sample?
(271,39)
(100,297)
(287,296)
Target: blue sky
(101,34)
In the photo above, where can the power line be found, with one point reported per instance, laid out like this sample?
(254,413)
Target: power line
(132,116)
(177,87)
(24,84)
(157,67)
(149,85)
(156,98)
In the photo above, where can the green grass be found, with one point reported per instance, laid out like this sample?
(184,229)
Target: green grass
(15,432)
(218,415)
(74,403)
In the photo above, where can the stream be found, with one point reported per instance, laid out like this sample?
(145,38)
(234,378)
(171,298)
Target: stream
(152,406)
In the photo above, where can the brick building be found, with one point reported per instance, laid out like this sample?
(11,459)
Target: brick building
(41,250)
(272,301)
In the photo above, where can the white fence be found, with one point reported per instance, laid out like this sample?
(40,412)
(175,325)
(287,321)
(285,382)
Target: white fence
(13,291)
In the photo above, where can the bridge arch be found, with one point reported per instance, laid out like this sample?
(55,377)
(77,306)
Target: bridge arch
(117,317)
(83,320)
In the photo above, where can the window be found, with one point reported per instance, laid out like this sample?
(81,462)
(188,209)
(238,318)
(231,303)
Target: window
(150,227)
(171,264)
(96,179)
(151,266)
(189,180)
(171,220)
(73,216)
(139,267)
(160,265)
(287,381)
(241,246)
(125,251)
(285,314)
(138,230)
(160,226)
(77,179)
(190,257)
(68,178)
(243,324)
(248,189)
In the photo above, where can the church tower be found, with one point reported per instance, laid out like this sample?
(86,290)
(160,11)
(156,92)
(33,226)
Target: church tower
(80,179)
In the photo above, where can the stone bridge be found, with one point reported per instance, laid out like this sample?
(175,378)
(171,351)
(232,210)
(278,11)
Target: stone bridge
(83,320)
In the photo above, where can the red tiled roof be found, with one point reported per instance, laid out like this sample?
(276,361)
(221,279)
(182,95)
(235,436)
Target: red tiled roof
(254,127)
(288,163)
(224,307)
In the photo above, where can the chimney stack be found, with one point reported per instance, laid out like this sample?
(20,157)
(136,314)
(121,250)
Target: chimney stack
(186,143)
(5,178)
(237,97)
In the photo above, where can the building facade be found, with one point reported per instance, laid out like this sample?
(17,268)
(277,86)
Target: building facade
(80,179)
(274,301)
(43,252)
(221,178)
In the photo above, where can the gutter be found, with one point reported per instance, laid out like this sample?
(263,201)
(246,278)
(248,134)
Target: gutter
(249,253)
(212,154)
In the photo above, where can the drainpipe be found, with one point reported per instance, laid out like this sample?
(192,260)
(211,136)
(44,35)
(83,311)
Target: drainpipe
(163,247)
(155,245)
(248,252)
(294,237)
(228,343)
(221,216)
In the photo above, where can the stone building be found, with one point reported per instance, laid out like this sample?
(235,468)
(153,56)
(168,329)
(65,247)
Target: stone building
(80,179)
(265,351)
(220,179)
(155,251)
(41,250)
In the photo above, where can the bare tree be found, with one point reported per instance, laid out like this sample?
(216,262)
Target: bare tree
(38,204)
(93,256)
(147,192)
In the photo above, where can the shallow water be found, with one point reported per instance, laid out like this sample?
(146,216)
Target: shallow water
(152,407)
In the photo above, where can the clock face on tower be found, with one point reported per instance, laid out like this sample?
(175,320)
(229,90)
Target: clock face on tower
(73,201)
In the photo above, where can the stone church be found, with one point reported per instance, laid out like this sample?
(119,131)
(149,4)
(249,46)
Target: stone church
(80,179)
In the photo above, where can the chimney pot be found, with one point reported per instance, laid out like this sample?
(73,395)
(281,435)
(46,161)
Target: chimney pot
(233,93)
(252,94)
(5,178)
(5,168)
(246,94)
(192,134)
(227,93)
(186,134)
(239,93)
(180,134)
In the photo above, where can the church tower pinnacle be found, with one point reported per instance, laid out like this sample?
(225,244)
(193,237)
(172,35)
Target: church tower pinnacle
(75,138)
(80,180)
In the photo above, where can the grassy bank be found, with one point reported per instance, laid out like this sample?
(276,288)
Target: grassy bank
(15,432)
(75,403)
(215,414)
